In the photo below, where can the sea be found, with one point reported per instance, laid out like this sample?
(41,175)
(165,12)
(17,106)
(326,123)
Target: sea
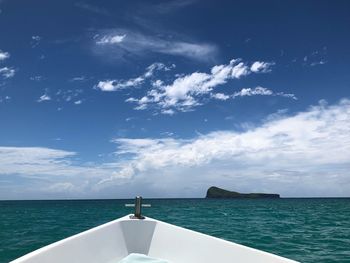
(307,230)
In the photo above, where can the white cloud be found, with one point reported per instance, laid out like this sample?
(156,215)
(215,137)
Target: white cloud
(7,72)
(114,85)
(191,90)
(61,187)
(112,39)
(107,85)
(122,43)
(35,41)
(262,92)
(68,95)
(80,78)
(168,112)
(4,55)
(65,188)
(5,99)
(260,66)
(47,171)
(32,160)
(44,97)
(252,92)
(36,78)
(305,154)
(316,63)
(36,38)
(220,96)
(78,102)
(43,162)
(314,58)
(188,91)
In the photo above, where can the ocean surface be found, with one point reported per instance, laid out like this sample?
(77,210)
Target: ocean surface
(306,230)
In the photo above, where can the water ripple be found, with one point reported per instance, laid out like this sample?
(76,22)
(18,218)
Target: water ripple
(307,230)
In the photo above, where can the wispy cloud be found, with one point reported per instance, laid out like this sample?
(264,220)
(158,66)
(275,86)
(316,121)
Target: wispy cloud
(44,97)
(92,8)
(257,91)
(316,63)
(114,85)
(49,171)
(263,92)
(220,96)
(36,78)
(122,43)
(110,40)
(78,79)
(169,6)
(7,72)
(5,99)
(68,95)
(32,160)
(314,58)
(4,55)
(35,41)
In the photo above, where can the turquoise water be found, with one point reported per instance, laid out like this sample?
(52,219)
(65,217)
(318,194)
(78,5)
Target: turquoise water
(307,230)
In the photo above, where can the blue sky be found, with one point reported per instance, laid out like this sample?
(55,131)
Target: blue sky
(166,98)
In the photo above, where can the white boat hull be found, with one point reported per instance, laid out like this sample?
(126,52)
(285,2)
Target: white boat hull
(111,242)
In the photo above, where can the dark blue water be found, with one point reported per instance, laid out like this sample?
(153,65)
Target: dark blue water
(307,230)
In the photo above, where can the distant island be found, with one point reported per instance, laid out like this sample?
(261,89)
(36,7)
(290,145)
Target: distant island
(216,192)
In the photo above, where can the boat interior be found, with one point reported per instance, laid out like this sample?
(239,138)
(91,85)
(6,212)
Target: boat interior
(114,241)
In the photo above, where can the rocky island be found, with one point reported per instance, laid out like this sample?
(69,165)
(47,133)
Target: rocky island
(216,192)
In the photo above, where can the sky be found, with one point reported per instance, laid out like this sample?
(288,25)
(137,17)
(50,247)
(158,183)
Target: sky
(112,99)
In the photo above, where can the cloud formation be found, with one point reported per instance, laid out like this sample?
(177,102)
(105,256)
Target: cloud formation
(32,160)
(189,91)
(114,85)
(110,40)
(285,152)
(315,58)
(44,97)
(262,92)
(5,99)
(122,43)
(260,66)
(35,41)
(305,154)
(47,171)
(4,55)
(186,92)
(41,162)
(78,79)
(7,72)
(73,96)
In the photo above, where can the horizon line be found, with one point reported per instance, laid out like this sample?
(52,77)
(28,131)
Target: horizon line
(167,198)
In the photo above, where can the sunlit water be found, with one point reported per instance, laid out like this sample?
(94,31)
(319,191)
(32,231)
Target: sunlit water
(307,230)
